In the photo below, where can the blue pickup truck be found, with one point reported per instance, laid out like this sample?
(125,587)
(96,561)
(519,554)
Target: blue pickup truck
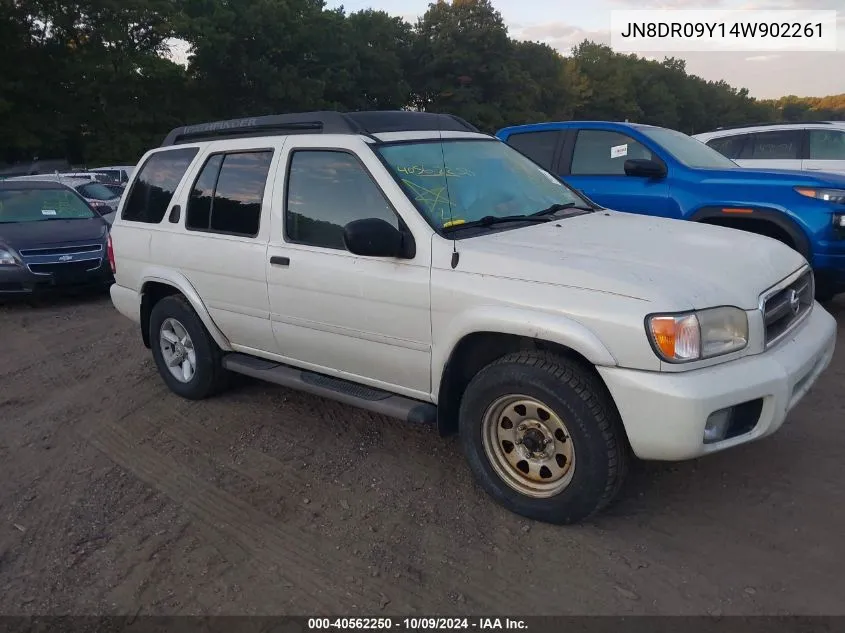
(656,171)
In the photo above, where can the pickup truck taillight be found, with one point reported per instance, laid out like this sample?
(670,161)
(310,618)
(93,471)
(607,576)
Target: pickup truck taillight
(110,252)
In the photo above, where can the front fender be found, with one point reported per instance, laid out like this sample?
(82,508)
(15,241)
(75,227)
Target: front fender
(180,282)
(520,322)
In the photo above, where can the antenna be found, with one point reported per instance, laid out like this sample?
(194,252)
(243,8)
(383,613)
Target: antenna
(455,254)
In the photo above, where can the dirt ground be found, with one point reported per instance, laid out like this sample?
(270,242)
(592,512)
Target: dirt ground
(117,497)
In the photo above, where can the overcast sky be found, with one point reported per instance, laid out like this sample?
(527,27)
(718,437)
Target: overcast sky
(562,23)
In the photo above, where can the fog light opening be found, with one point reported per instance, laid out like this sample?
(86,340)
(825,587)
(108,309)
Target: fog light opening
(718,423)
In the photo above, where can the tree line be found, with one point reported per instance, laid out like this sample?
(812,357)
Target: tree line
(91,81)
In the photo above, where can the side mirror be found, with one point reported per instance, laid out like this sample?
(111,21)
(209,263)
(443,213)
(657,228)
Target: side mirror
(373,237)
(644,168)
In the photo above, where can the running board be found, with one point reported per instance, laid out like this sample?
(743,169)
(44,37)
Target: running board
(350,393)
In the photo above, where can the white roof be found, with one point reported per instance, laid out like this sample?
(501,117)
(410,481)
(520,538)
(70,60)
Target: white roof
(736,131)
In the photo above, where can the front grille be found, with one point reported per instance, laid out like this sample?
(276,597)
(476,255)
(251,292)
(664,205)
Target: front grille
(68,268)
(786,307)
(61,250)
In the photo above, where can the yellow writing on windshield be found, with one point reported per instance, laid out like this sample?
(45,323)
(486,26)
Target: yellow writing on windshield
(419,170)
(434,199)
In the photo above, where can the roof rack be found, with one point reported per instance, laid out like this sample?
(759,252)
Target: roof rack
(742,125)
(366,123)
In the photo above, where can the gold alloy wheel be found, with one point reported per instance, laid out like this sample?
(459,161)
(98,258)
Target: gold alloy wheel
(528,446)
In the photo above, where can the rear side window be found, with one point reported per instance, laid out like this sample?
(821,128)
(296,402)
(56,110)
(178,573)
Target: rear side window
(226,198)
(729,146)
(538,146)
(776,145)
(603,153)
(155,185)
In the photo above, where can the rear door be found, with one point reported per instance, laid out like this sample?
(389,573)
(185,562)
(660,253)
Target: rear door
(776,149)
(826,151)
(216,235)
(593,161)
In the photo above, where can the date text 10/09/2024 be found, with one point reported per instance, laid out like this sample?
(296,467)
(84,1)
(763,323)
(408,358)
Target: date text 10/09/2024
(417,624)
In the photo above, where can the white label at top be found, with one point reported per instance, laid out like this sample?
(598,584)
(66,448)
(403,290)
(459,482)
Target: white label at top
(672,30)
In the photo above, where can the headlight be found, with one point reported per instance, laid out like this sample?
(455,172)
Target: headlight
(7,257)
(837,196)
(682,338)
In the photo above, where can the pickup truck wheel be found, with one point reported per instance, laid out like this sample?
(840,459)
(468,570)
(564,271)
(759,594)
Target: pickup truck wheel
(187,357)
(543,437)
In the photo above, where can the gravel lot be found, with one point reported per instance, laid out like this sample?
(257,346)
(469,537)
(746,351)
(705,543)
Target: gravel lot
(117,497)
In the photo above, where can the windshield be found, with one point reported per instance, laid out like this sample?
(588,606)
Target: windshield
(96,191)
(36,205)
(691,152)
(455,181)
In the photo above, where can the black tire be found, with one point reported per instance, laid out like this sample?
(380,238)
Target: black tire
(210,377)
(579,398)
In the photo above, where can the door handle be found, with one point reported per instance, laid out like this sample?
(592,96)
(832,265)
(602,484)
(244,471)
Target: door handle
(275,260)
(175,212)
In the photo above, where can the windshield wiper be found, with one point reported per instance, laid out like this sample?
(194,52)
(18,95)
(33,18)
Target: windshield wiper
(490,220)
(551,210)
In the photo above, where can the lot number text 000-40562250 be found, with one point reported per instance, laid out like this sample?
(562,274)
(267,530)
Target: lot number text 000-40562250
(417,624)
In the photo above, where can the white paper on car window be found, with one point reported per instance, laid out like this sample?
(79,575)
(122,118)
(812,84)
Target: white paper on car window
(48,212)
(619,150)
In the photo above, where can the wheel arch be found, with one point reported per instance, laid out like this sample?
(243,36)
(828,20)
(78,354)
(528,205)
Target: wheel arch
(730,216)
(159,284)
(475,347)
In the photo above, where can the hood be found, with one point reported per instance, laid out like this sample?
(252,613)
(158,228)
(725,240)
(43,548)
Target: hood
(753,176)
(676,265)
(24,235)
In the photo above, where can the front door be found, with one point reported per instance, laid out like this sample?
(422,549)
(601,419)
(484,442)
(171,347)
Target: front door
(597,167)
(363,318)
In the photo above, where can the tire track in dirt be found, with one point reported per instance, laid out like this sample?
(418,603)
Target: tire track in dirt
(468,576)
(298,560)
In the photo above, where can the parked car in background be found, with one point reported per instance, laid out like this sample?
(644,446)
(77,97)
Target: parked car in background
(405,263)
(118,173)
(49,238)
(656,171)
(812,146)
(115,188)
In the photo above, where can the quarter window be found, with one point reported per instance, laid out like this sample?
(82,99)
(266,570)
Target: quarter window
(327,190)
(227,195)
(156,182)
(827,145)
(602,153)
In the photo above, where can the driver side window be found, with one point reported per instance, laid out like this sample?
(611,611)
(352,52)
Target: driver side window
(326,190)
(603,153)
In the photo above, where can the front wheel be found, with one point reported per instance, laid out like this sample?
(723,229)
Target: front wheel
(543,437)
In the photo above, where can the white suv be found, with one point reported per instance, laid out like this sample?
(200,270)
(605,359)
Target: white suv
(407,264)
(818,146)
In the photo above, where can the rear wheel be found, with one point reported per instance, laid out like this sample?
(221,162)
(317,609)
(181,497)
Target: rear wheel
(543,437)
(187,357)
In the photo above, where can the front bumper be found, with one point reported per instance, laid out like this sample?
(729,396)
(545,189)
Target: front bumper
(665,414)
(20,280)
